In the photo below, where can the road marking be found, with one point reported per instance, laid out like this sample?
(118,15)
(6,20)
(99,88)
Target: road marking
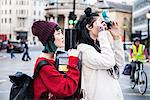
(2,56)
(135,94)
(2,81)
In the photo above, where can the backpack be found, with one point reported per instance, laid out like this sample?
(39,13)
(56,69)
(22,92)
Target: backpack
(127,69)
(22,84)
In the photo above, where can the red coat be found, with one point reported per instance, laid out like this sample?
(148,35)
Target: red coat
(50,80)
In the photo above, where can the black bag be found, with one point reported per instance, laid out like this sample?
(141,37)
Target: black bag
(127,69)
(22,88)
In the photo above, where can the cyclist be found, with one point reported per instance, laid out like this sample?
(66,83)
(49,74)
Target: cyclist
(137,53)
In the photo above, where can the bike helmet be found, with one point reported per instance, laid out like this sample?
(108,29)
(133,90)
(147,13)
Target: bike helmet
(136,39)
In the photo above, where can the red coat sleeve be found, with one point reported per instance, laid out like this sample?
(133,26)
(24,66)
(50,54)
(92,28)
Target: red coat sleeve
(56,83)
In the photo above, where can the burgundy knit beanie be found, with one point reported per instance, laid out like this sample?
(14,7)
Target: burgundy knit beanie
(43,29)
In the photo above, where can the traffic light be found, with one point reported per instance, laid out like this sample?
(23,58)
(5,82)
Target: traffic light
(71,39)
(72,20)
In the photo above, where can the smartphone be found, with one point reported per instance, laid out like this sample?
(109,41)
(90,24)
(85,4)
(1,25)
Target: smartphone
(62,61)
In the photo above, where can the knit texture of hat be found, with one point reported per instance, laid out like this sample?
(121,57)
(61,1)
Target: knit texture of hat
(43,29)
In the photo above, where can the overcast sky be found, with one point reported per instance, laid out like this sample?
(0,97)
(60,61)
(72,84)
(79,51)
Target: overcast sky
(119,1)
(128,1)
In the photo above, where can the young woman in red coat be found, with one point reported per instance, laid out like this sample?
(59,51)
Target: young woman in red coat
(50,83)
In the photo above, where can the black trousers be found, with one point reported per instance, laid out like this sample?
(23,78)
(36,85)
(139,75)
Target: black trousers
(26,54)
(133,64)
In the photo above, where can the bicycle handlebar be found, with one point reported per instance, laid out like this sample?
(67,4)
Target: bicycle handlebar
(142,61)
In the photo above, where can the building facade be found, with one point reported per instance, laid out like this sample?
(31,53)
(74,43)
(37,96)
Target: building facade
(58,10)
(140,22)
(120,12)
(17,17)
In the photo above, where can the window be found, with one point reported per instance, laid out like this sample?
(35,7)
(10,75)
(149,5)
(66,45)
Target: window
(5,20)
(40,3)
(34,12)
(34,20)
(9,11)
(140,4)
(20,24)
(16,11)
(62,4)
(27,2)
(21,2)
(23,24)
(34,3)
(9,20)
(2,20)
(10,2)
(5,11)
(140,20)
(21,11)
(39,13)
(5,2)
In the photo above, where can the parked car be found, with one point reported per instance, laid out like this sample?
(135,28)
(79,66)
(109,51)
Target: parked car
(18,47)
(4,44)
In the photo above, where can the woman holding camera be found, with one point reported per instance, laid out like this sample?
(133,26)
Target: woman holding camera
(98,56)
(50,84)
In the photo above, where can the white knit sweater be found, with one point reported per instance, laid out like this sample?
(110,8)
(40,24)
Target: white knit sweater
(96,82)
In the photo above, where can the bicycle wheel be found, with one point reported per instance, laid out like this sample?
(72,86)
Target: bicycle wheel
(142,83)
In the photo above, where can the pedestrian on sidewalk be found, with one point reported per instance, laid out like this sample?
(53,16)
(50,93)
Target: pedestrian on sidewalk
(26,56)
(50,84)
(11,47)
(99,57)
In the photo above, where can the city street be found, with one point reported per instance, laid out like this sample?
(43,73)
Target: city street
(134,94)
(9,66)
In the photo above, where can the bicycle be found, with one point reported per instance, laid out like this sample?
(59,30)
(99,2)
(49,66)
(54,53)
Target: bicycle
(140,77)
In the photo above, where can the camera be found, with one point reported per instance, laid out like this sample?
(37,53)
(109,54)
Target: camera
(62,61)
(106,19)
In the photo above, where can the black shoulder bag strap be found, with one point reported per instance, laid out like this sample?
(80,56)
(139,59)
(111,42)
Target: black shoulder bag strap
(80,69)
(41,64)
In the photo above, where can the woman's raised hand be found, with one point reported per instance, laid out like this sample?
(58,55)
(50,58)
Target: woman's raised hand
(114,31)
(73,52)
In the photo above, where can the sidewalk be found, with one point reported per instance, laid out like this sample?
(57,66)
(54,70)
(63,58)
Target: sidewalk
(1,81)
(2,54)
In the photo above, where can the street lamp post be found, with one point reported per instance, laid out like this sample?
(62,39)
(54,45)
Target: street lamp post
(148,17)
(74,3)
(124,34)
(124,31)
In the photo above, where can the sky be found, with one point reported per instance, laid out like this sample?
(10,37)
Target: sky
(119,1)
(128,1)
